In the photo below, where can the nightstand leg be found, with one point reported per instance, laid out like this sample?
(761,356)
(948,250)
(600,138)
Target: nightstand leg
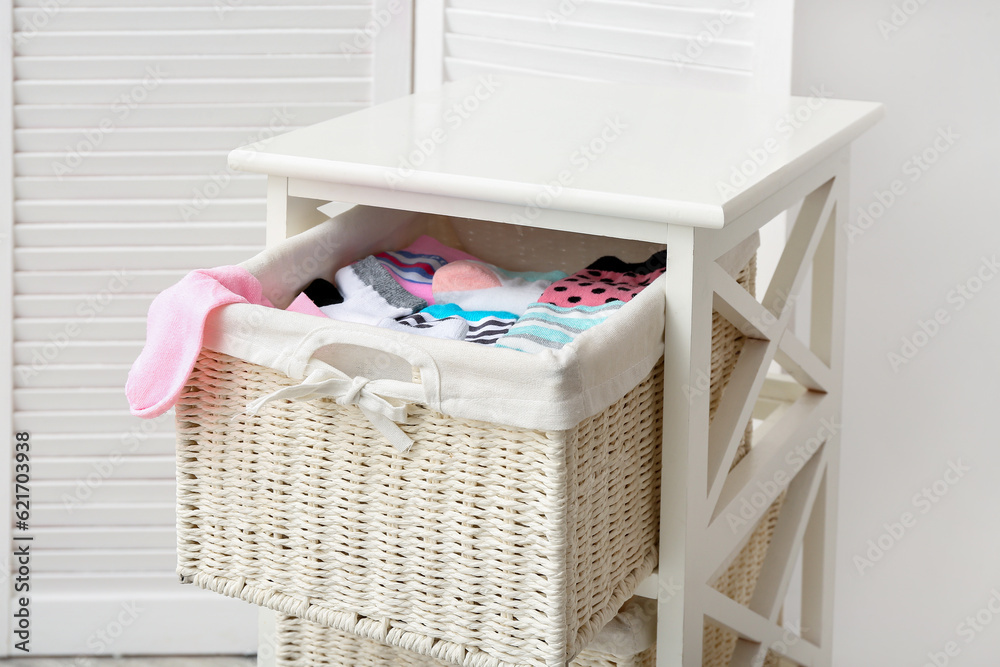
(687,368)
(705,496)
(827,334)
(286,215)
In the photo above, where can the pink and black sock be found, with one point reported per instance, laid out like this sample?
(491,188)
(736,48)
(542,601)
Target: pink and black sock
(607,280)
(580,302)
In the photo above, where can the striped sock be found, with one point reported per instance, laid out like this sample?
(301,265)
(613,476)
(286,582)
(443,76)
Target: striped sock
(484,327)
(545,326)
(390,284)
(414,266)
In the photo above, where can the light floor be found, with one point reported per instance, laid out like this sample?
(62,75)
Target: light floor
(188,661)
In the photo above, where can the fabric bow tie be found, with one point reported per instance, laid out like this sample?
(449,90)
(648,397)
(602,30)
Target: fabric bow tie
(374,397)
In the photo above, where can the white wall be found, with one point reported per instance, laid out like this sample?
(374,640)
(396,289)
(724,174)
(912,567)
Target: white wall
(904,426)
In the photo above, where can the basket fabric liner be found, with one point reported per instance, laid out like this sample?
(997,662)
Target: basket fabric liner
(554,389)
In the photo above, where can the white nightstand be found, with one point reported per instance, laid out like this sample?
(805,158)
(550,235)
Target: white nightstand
(701,172)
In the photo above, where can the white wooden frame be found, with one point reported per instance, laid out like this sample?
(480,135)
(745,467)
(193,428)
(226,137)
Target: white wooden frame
(698,490)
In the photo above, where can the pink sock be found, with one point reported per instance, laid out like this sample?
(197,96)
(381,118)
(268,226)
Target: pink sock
(303,304)
(175,328)
(475,285)
(605,281)
(465,275)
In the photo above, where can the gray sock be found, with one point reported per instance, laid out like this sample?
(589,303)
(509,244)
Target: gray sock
(372,273)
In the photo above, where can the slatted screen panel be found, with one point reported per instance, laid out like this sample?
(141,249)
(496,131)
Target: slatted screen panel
(707,43)
(730,45)
(124,113)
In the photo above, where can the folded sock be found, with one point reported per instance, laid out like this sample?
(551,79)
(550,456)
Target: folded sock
(450,328)
(547,326)
(414,267)
(370,295)
(484,327)
(580,302)
(385,286)
(475,285)
(605,281)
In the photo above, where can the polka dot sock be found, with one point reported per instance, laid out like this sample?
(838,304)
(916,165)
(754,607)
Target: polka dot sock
(605,281)
(580,302)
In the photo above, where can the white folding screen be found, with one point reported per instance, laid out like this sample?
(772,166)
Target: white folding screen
(123,112)
(728,44)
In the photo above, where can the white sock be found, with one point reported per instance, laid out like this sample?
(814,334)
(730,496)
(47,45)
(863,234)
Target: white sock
(370,295)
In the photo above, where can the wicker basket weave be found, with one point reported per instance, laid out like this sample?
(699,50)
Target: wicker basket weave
(512,547)
(304,644)
(485,545)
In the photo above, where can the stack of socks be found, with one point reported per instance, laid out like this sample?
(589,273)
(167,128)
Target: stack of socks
(432,290)
(587,298)
(415,267)
(476,302)
(474,285)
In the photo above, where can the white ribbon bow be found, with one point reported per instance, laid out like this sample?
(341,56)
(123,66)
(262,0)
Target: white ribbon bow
(372,396)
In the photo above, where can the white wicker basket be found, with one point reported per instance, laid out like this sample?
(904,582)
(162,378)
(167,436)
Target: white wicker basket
(627,641)
(484,545)
(487,544)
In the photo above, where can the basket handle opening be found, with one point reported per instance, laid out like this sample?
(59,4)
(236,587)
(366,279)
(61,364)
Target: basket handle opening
(370,377)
